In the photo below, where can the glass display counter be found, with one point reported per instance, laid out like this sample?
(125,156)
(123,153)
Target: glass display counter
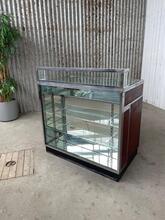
(91,116)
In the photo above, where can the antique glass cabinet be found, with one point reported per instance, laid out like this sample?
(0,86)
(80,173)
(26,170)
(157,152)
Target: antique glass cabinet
(91,116)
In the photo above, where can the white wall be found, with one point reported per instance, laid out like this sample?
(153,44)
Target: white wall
(153,68)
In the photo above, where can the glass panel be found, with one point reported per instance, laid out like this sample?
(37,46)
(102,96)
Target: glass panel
(102,95)
(99,77)
(84,127)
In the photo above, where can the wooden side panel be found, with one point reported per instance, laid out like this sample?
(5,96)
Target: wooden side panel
(134,129)
(133,94)
(131,132)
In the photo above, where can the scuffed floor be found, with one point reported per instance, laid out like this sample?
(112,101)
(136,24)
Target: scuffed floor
(60,190)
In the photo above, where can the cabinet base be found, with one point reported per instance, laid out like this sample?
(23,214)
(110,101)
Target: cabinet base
(92,167)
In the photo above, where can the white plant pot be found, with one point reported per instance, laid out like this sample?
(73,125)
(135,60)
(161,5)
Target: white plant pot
(9,111)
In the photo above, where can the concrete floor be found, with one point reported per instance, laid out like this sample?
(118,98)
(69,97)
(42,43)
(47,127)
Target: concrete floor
(60,190)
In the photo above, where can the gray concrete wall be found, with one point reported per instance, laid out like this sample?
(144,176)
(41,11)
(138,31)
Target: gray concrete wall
(82,33)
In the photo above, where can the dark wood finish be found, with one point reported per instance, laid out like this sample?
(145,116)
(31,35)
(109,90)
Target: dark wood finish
(134,129)
(133,94)
(131,131)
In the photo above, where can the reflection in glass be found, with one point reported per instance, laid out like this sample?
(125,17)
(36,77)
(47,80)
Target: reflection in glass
(78,122)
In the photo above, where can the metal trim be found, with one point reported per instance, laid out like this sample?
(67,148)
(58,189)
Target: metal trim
(128,106)
(124,88)
(78,86)
(124,167)
(121,131)
(71,69)
(133,85)
(43,124)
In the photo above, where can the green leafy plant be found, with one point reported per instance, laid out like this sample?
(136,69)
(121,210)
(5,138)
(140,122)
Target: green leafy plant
(7,89)
(8,38)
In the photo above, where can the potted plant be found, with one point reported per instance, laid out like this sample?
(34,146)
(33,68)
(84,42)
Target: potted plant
(8,38)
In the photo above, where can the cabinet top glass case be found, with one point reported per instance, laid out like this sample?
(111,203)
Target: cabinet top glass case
(91,116)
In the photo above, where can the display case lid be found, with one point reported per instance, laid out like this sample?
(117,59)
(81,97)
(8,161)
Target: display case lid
(117,79)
